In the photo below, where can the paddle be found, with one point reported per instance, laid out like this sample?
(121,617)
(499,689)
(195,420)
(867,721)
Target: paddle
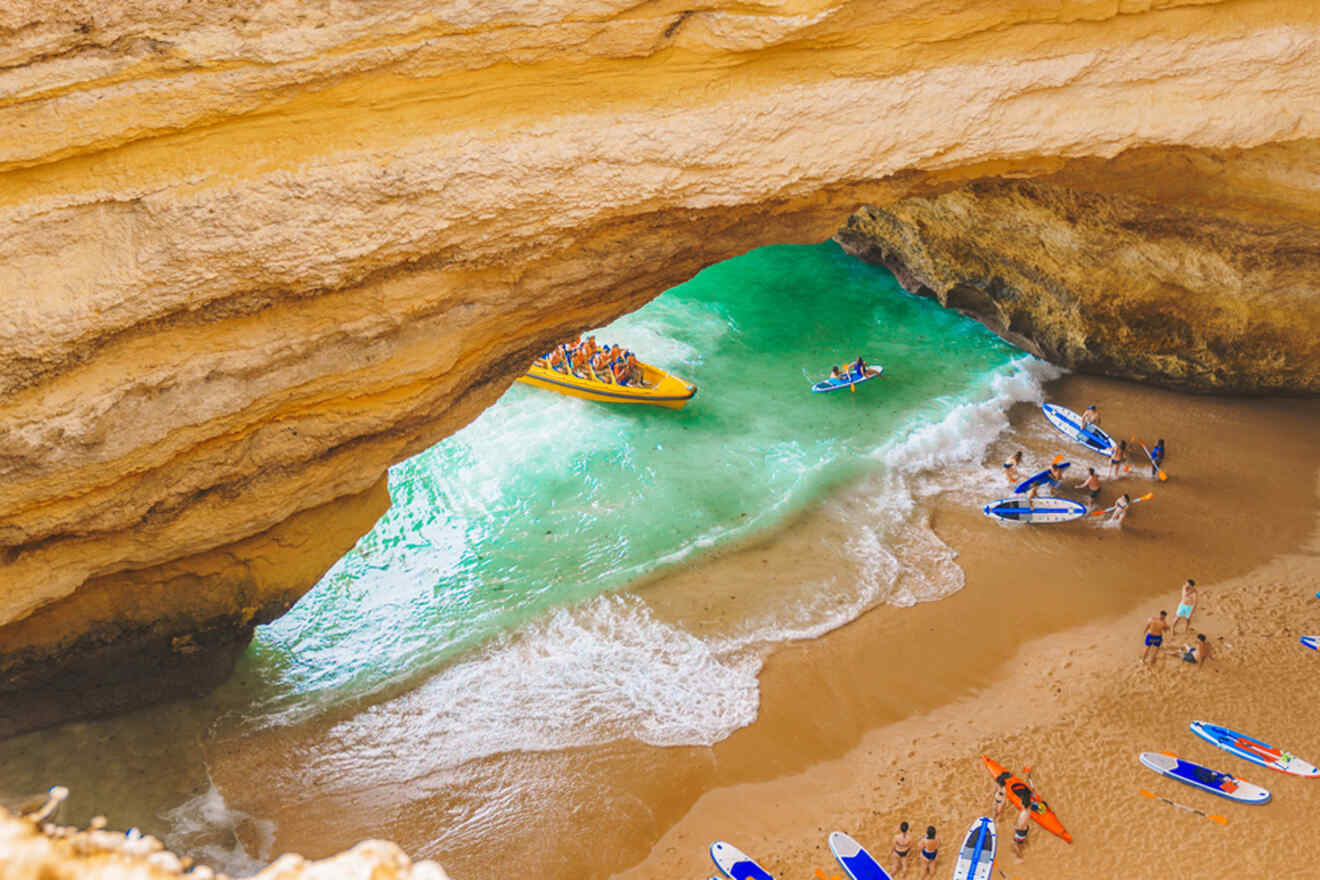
(820,875)
(1146,497)
(1159,472)
(1220,819)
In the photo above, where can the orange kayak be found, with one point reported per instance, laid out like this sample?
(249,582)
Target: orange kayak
(1016,788)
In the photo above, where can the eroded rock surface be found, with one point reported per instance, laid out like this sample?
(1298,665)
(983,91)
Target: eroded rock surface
(252,253)
(1193,269)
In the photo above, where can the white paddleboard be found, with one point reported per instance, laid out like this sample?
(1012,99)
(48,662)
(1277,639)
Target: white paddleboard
(1251,749)
(735,863)
(1069,424)
(1226,785)
(976,858)
(857,862)
(1312,642)
(1043,510)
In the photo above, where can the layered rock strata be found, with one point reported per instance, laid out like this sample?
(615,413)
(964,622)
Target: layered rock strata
(252,253)
(1192,269)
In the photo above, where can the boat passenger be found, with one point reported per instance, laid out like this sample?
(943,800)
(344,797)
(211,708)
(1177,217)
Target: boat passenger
(635,373)
(600,367)
(835,374)
(619,370)
(1090,417)
(581,363)
(590,345)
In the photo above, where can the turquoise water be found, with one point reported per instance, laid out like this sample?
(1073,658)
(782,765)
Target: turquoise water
(547,500)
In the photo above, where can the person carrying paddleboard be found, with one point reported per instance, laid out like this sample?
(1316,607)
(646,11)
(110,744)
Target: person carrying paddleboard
(1054,477)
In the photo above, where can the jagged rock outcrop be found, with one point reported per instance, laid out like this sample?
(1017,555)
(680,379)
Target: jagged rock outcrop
(37,849)
(1193,269)
(253,253)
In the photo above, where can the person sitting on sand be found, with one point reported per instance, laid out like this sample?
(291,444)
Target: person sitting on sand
(1198,651)
(1155,628)
(1011,468)
(1186,605)
(1092,486)
(1021,827)
(930,851)
(1090,416)
(1001,793)
(902,846)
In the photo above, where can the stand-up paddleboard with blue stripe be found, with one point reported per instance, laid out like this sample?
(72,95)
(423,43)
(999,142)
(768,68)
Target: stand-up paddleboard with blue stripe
(1226,785)
(1069,424)
(1046,510)
(976,859)
(848,380)
(1042,477)
(856,861)
(735,863)
(1251,749)
(1312,642)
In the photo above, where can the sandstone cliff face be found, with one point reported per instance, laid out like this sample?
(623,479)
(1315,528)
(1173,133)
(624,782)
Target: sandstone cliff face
(1194,269)
(253,253)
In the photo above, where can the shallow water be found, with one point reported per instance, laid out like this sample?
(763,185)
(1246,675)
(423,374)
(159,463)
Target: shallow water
(483,614)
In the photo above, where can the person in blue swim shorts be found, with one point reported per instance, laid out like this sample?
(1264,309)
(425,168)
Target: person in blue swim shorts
(1155,628)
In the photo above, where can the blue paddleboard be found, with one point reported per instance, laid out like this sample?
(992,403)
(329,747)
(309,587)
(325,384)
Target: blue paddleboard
(856,861)
(1042,477)
(976,858)
(1312,642)
(848,380)
(1069,424)
(735,863)
(1226,785)
(1044,510)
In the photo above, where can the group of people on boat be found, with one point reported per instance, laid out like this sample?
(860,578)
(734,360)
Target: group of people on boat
(610,364)
(858,369)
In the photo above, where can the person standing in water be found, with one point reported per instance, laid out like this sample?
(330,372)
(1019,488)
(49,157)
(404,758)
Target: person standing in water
(1011,468)
(1053,478)
(930,851)
(1092,486)
(1155,628)
(1121,505)
(1186,605)
(1157,458)
(1117,457)
(902,846)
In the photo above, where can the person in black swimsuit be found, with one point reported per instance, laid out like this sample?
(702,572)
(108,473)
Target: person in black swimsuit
(1021,827)
(902,846)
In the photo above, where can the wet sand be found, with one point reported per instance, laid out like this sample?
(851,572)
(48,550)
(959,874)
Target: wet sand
(1034,662)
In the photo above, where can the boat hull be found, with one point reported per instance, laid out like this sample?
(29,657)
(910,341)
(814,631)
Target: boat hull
(665,390)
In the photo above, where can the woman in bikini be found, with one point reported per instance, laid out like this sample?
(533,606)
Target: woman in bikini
(930,851)
(1011,468)
(902,846)
(1118,456)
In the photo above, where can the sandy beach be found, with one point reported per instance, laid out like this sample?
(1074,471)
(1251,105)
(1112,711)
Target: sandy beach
(1034,662)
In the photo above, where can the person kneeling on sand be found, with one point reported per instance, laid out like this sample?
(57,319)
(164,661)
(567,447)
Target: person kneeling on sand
(1198,651)
(902,846)
(1155,628)
(1021,827)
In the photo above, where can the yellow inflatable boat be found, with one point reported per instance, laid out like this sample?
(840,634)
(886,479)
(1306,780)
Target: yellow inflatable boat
(660,388)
